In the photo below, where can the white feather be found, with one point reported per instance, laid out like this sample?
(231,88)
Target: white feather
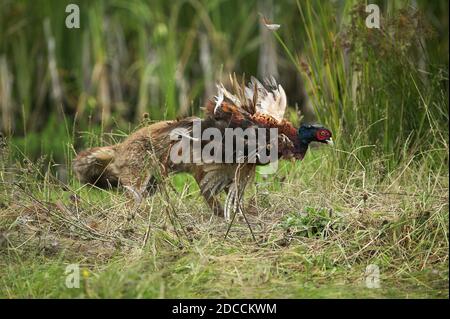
(271,98)
(218,99)
(233,98)
(273,26)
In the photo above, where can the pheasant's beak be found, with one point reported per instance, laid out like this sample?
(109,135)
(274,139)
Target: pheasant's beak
(330,142)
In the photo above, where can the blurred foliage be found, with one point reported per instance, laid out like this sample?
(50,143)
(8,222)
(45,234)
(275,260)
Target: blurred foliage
(384,93)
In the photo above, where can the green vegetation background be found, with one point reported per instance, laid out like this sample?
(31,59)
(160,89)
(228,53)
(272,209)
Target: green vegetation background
(385,88)
(380,196)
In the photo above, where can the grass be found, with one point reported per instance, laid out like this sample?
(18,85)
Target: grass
(379,198)
(316,236)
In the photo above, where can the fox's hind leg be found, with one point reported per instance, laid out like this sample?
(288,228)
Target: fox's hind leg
(140,178)
(141,187)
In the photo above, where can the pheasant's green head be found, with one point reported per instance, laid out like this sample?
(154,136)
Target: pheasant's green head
(314,133)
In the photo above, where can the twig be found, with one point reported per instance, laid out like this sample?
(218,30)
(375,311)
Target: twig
(248,224)
(147,232)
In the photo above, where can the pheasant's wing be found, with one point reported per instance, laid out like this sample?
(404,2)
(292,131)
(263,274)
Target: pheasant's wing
(256,105)
(266,99)
(270,97)
(229,108)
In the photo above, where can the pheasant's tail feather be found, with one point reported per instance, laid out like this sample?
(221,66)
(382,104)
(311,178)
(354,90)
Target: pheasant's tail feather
(242,175)
(93,166)
(231,203)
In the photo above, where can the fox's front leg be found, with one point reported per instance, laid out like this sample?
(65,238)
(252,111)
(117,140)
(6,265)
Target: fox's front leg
(134,190)
(139,181)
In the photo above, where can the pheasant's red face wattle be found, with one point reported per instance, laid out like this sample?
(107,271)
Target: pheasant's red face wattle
(323,134)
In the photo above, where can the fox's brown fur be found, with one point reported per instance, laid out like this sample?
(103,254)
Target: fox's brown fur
(137,162)
(139,159)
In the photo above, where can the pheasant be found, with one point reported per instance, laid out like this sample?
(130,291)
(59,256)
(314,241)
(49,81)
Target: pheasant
(138,162)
